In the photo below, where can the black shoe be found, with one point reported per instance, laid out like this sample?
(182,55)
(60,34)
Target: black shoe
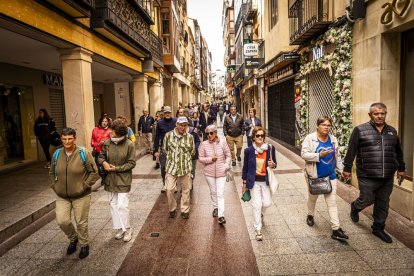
(239,158)
(310,221)
(221,220)
(354,214)
(233,163)
(185,215)
(72,247)
(173,214)
(339,235)
(215,212)
(382,235)
(157,166)
(84,252)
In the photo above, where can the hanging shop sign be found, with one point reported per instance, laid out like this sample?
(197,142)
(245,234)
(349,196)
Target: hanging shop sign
(251,63)
(251,49)
(399,7)
(281,74)
(231,68)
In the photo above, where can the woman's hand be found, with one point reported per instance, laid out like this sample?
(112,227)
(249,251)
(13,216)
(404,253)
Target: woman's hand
(271,164)
(214,158)
(244,188)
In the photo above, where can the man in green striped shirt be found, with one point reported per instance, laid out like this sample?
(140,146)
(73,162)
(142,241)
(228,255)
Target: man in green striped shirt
(179,146)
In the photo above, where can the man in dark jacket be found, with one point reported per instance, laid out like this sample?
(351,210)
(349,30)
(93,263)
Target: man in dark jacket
(205,120)
(164,126)
(233,129)
(378,156)
(145,125)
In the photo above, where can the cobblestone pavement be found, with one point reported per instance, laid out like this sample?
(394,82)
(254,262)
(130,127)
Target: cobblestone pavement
(289,245)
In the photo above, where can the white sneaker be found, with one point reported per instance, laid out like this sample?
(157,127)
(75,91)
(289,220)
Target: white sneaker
(259,236)
(164,189)
(128,235)
(119,234)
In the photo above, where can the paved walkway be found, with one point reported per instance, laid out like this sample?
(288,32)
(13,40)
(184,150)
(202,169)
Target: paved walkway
(199,246)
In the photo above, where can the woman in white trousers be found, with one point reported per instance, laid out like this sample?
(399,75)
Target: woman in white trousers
(214,153)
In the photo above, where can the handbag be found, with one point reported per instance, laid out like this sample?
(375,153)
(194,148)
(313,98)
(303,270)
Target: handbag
(55,139)
(271,176)
(319,186)
(246,196)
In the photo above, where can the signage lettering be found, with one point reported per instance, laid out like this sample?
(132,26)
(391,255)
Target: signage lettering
(281,74)
(253,62)
(53,80)
(251,49)
(318,52)
(391,8)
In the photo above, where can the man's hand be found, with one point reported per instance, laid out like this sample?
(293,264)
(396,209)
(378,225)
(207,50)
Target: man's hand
(403,174)
(346,175)
(157,154)
(214,158)
(106,166)
(112,167)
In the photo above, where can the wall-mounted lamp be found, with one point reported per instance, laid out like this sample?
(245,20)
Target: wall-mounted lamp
(248,26)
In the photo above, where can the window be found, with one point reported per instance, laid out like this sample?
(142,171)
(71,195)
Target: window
(407,124)
(165,23)
(272,13)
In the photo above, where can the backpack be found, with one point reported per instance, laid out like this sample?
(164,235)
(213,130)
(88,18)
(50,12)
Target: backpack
(56,155)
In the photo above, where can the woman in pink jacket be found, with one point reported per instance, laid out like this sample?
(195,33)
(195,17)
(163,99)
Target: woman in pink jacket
(214,153)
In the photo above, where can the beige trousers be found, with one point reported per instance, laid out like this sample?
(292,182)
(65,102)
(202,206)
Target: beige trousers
(171,184)
(148,141)
(330,200)
(80,207)
(239,145)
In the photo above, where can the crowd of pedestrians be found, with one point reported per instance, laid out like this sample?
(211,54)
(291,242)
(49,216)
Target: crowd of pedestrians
(176,143)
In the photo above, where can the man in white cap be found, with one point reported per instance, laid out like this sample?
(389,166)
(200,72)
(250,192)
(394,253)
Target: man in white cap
(179,147)
(164,126)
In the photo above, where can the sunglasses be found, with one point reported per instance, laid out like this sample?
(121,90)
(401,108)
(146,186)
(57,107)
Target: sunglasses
(211,133)
(260,136)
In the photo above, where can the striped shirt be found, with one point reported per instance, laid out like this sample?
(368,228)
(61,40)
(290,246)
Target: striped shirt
(179,149)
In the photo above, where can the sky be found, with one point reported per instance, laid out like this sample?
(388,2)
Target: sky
(208,14)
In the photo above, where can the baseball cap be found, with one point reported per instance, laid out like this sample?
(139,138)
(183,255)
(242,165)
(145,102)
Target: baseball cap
(167,109)
(182,120)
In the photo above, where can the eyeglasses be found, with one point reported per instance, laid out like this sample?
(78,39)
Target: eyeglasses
(211,133)
(260,136)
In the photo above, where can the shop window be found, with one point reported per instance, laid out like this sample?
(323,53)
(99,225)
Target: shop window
(407,101)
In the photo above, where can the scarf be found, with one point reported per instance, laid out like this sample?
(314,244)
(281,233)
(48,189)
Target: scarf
(260,150)
(116,140)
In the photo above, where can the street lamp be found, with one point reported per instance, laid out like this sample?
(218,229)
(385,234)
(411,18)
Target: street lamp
(248,25)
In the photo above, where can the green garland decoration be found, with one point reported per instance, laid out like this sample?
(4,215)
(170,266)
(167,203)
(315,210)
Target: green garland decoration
(339,64)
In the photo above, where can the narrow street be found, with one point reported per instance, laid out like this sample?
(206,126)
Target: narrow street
(199,246)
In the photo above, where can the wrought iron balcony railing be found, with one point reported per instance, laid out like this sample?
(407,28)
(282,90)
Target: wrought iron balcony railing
(156,48)
(144,7)
(307,19)
(240,17)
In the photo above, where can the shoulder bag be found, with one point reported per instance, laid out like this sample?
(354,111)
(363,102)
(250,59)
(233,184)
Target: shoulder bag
(271,174)
(319,186)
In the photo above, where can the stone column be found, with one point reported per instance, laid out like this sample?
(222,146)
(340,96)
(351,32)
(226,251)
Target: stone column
(185,95)
(168,92)
(78,94)
(156,97)
(141,98)
(176,95)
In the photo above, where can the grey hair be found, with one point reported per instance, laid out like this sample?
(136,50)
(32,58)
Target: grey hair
(211,128)
(377,105)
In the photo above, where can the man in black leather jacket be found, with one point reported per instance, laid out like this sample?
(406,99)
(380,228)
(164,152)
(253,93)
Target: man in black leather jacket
(378,156)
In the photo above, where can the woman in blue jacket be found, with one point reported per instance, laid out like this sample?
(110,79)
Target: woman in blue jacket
(255,178)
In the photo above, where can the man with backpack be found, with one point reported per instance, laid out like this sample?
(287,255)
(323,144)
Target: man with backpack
(73,172)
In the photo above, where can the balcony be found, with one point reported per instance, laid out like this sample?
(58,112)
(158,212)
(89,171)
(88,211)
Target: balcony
(239,75)
(307,19)
(75,8)
(240,17)
(121,22)
(144,7)
(252,7)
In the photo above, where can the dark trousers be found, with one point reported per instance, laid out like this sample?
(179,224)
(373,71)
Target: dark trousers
(45,146)
(375,191)
(249,141)
(163,161)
